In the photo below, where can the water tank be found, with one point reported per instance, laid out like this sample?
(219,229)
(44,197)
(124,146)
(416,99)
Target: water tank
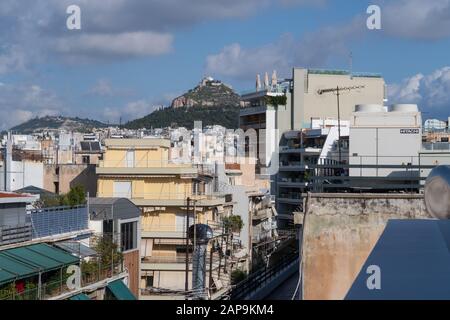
(437,192)
(404,108)
(369,108)
(200,233)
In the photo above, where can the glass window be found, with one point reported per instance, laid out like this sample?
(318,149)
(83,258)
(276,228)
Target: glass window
(128,235)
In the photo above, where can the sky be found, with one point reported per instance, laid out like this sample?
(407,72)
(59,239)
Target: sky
(131,56)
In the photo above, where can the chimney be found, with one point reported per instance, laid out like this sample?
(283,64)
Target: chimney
(258,82)
(274,79)
(266,81)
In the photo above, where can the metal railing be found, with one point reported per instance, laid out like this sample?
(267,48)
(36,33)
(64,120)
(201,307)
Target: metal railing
(58,220)
(261,278)
(15,234)
(169,195)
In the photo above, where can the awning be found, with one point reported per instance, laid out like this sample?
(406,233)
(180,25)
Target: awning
(120,290)
(23,262)
(80,296)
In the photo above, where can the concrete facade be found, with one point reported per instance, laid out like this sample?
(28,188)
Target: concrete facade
(341,230)
(60,178)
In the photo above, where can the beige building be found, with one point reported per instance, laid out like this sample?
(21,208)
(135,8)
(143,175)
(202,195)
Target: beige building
(141,170)
(292,104)
(59,178)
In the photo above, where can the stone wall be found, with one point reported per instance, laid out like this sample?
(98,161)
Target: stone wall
(341,230)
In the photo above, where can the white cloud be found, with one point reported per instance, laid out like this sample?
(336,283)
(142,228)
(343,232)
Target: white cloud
(314,49)
(130,44)
(431,92)
(417,18)
(111,29)
(132,110)
(23,102)
(104,88)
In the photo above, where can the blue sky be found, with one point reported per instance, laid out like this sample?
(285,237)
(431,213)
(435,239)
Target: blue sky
(132,55)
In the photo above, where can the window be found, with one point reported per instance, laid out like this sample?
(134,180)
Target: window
(86,159)
(128,236)
(122,189)
(107,226)
(149,280)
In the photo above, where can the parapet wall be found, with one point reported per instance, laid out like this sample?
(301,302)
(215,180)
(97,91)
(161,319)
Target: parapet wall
(341,230)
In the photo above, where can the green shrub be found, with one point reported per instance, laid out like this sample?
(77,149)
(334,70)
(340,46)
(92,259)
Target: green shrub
(238,276)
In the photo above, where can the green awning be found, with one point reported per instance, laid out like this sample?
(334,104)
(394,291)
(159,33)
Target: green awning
(120,290)
(80,296)
(23,262)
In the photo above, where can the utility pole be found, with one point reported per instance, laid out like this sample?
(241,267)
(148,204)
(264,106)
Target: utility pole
(186,283)
(338,91)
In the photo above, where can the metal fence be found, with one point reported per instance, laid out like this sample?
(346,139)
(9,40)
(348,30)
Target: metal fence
(58,220)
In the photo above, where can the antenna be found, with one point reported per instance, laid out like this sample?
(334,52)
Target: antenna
(351,65)
(337,90)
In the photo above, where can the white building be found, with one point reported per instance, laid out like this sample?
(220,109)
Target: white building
(384,137)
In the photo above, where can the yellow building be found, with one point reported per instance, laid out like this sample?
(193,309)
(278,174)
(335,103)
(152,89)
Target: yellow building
(140,169)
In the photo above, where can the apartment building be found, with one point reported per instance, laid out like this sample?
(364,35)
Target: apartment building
(141,170)
(301,151)
(292,104)
(59,253)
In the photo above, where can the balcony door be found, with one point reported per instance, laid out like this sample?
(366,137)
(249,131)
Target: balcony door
(130,159)
(122,189)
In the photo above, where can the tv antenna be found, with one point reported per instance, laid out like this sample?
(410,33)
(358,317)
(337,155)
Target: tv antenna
(338,91)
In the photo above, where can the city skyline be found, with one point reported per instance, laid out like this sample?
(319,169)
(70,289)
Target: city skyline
(130,57)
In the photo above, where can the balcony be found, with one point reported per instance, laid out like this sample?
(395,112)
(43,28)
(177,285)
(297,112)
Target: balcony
(143,199)
(15,234)
(168,263)
(290,197)
(145,167)
(262,214)
(293,182)
(298,150)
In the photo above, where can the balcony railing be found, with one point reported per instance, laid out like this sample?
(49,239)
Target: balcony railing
(167,259)
(144,163)
(168,196)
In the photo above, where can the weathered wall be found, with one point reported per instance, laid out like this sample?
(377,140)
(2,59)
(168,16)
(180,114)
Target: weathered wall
(131,262)
(340,232)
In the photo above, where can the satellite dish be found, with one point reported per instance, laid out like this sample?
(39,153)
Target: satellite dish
(202,233)
(437,192)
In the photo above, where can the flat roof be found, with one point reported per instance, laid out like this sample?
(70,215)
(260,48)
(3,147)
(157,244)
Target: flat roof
(12,197)
(144,142)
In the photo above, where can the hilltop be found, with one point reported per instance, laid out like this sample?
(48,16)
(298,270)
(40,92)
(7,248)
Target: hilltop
(208,93)
(211,102)
(57,122)
(227,117)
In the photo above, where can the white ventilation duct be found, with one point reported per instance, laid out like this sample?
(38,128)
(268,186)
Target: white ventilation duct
(369,108)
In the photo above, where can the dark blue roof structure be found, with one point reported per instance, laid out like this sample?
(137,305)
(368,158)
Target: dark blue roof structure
(414,261)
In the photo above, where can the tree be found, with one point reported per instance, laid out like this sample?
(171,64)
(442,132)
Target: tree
(75,197)
(233,223)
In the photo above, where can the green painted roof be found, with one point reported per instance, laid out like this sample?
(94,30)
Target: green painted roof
(120,290)
(22,262)
(80,296)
